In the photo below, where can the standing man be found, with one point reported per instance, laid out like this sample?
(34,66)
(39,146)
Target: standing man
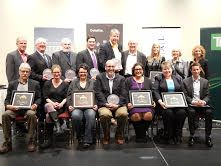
(130,57)
(39,61)
(15,58)
(21,84)
(196,90)
(106,84)
(110,50)
(65,58)
(88,55)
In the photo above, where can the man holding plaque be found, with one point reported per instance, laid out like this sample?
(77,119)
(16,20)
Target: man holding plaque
(23,84)
(65,58)
(196,89)
(111,94)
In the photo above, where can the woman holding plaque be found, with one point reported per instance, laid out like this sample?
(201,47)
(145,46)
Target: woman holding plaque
(82,83)
(154,60)
(173,118)
(54,93)
(140,116)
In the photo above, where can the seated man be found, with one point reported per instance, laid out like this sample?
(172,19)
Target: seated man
(108,83)
(22,84)
(196,90)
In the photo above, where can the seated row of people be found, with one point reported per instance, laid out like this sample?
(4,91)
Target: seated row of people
(58,98)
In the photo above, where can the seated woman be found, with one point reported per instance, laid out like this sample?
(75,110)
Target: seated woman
(140,117)
(82,83)
(173,118)
(54,93)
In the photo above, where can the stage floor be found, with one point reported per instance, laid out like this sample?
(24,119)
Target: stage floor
(152,153)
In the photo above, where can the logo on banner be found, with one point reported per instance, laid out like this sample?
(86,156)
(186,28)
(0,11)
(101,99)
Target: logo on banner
(216,41)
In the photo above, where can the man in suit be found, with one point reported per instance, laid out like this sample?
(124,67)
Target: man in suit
(106,84)
(21,84)
(15,58)
(130,57)
(65,58)
(110,50)
(88,55)
(196,90)
(39,61)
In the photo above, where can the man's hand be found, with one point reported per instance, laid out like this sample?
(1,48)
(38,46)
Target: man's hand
(70,108)
(130,106)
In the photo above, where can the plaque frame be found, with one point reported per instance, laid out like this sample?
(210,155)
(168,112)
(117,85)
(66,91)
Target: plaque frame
(29,96)
(134,98)
(87,102)
(178,97)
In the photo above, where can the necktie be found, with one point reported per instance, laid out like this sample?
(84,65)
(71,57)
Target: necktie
(94,59)
(46,59)
(68,56)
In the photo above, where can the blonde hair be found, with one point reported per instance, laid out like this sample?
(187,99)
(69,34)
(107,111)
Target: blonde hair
(151,57)
(202,49)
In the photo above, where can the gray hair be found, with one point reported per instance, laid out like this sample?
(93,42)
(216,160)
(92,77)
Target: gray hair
(25,66)
(66,40)
(40,40)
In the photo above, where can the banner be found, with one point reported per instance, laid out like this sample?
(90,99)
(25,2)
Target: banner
(102,32)
(210,38)
(53,37)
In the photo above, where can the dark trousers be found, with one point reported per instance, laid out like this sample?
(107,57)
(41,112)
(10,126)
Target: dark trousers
(193,112)
(173,121)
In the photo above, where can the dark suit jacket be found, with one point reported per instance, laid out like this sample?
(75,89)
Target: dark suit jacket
(13,61)
(38,65)
(141,58)
(85,57)
(106,53)
(61,59)
(102,90)
(75,86)
(128,83)
(204,65)
(160,86)
(32,86)
(188,89)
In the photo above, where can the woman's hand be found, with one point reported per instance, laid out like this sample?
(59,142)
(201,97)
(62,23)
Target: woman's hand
(95,107)
(163,105)
(70,108)
(130,106)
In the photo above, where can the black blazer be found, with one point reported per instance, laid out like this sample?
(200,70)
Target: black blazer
(32,86)
(102,90)
(106,53)
(141,58)
(128,83)
(62,60)
(85,57)
(188,89)
(160,86)
(38,65)
(13,61)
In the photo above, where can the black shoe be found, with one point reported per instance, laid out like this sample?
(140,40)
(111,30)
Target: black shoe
(209,142)
(141,140)
(46,144)
(86,145)
(191,141)
(171,141)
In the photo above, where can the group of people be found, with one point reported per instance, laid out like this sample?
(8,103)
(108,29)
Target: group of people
(53,96)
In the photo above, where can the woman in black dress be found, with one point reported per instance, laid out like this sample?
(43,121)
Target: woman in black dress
(54,93)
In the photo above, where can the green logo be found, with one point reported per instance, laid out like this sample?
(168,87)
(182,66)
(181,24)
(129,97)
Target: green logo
(216,41)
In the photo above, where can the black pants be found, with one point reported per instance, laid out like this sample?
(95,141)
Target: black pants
(200,112)
(173,121)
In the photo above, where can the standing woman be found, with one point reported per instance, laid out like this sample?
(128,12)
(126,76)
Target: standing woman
(140,117)
(54,93)
(199,54)
(173,118)
(180,67)
(155,59)
(82,83)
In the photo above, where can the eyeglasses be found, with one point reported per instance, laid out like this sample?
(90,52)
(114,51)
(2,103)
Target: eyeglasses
(82,72)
